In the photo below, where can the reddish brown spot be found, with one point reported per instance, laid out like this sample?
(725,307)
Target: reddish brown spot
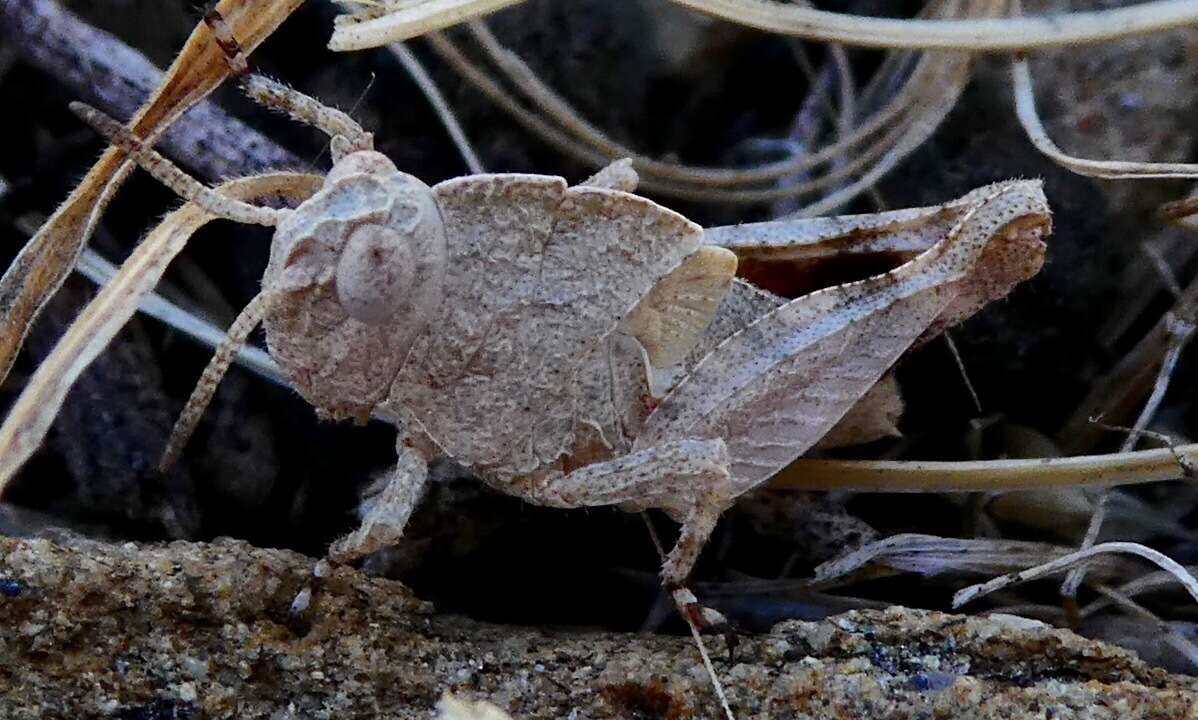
(795,278)
(1091,122)
(226,41)
(649,701)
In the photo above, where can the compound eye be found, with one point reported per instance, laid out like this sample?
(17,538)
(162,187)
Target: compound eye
(374,273)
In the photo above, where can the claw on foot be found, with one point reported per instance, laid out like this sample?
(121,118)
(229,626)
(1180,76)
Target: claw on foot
(702,617)
(303,598)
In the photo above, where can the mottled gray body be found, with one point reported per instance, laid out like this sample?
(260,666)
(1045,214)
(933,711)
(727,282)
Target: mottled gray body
(515,347)
(569,344)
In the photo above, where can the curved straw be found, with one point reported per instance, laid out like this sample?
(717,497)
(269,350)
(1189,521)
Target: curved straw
(96,268)
(1025,108)
(1061,30)
(589,144)
(919,129)
(978,35)
(1168,564)
(893,131)
(934,82)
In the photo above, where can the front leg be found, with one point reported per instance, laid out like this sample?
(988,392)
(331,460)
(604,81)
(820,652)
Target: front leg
(688,479)
(384,517)
(386,514)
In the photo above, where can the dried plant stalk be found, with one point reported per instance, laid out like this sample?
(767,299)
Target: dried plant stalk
(444,113)
(1128,468)
(1025,108)
(863,154)
(1181,331)
(929,556)
(1188,581)
(985,35)
(34,411)
(1117,395)
(1149,583)
(45,261)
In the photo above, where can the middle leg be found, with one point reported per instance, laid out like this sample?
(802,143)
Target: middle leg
(688,479)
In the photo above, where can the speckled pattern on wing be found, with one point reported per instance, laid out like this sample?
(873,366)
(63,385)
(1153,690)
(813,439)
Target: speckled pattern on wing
(903,232)
(772,390)
(744,304)
(538,276)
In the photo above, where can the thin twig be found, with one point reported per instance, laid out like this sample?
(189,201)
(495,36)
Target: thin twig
(1150,582)
(1118,393)
(1178,641)
(560,125)
(956,353)
(1131,468)
(96,268)
(431,93)
(1180,332)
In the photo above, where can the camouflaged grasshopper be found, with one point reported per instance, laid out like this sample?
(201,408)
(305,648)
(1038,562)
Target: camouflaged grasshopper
(584,346)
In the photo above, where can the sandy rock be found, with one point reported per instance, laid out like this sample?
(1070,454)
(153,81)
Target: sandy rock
(203,631)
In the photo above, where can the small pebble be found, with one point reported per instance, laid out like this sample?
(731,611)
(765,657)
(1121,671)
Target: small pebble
(301,601)
(11,588)
(934,681)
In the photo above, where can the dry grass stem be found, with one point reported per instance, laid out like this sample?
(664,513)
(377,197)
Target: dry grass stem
(859,157)
(445,113)
(929,555)
(1025,108)
(1148,583)
(1068,561)
(1116,396)
(979,35)
(1130,468)
(1180,332)
(50,255)
(101,272)
(1172,636)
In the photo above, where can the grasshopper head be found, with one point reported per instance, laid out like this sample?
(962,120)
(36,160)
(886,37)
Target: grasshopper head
(358,269)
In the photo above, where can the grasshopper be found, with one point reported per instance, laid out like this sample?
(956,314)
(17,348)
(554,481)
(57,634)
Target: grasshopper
(585,346)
